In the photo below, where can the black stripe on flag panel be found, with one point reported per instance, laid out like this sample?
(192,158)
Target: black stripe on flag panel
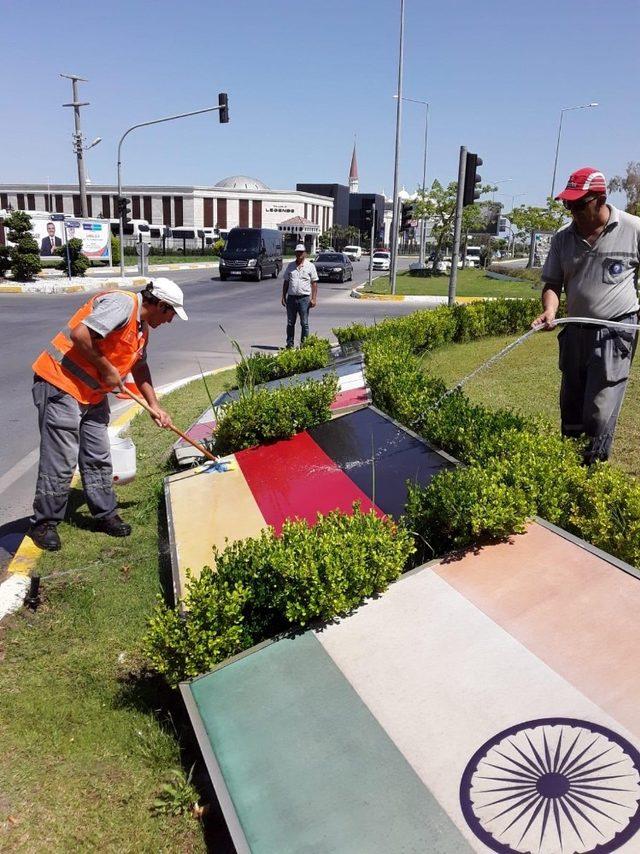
(397,456)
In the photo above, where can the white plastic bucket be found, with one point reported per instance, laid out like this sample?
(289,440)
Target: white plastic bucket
(123,459)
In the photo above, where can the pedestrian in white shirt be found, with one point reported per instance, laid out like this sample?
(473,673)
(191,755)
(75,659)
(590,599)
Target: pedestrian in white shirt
(299,293)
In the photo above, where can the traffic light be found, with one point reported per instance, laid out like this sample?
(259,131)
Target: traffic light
(124,210)
(223,103)
(369,217)
(406,216)
(471,180)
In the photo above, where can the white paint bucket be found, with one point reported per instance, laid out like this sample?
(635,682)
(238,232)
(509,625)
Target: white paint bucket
(123,459)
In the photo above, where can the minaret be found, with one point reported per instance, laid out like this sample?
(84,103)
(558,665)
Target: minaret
(353,172)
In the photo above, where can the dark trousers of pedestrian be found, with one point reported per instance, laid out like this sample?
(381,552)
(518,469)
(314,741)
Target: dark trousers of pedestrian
(71,434)
(595,364)
(297,306)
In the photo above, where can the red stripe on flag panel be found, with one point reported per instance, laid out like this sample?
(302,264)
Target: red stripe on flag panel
(295,478)
(350,398)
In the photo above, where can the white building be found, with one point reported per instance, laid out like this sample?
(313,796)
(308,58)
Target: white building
(235,201)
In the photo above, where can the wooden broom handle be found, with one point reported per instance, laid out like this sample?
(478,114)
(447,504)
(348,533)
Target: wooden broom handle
(145,405)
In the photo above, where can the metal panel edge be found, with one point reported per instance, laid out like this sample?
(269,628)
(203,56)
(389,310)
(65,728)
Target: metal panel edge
(215,774)
(173,551)
(415,435)
(594,550)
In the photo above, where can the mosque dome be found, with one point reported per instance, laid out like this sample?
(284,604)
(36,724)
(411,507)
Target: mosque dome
(242,182)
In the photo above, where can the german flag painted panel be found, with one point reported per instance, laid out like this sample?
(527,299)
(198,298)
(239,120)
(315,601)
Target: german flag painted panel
(361,456)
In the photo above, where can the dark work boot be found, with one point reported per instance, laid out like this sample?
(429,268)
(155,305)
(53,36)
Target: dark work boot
(45,536)
(114,526)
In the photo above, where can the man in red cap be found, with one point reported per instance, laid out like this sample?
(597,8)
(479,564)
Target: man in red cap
(595,259)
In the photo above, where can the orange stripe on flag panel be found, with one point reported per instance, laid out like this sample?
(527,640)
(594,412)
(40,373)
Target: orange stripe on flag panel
(569,607)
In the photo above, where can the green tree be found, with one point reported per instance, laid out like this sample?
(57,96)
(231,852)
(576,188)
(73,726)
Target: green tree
(76,261)
(339,236)
(25,258)
(529,218)
(115,249)
(438,204)
(5,260)
(628,184)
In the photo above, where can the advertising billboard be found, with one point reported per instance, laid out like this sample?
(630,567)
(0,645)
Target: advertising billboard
(52,234)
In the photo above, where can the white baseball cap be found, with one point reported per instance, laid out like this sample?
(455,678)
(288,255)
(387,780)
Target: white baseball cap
(301,247)
(169,292)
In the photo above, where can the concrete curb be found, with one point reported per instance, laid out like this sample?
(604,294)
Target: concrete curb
(13,589)
(64,287)
(426,299)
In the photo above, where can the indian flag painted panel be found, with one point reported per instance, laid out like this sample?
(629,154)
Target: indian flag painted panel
(486,703)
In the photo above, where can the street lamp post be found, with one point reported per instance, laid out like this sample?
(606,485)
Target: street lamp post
(122,138)
(396,168)
(497,183)
(562,112)
(423,223)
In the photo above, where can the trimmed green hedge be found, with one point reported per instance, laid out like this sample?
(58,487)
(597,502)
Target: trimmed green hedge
(268,585)
(427,329)
(515,468)
(260,368)
(265,416)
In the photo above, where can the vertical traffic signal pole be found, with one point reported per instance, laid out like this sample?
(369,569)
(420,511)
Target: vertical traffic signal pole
(222,108)
(453,275)
(373,227)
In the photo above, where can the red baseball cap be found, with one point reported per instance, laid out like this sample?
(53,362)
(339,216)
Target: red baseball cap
(581,182)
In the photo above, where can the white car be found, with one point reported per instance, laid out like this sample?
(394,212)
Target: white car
(353,253)
(381,260)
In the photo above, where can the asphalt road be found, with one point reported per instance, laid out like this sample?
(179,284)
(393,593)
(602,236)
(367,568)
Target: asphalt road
(250,312)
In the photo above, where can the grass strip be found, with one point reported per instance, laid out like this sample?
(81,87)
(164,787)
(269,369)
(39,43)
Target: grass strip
(87,743)
(470,283)
(528,381)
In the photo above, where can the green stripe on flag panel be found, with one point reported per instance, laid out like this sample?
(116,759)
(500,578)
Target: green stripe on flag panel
(306,765)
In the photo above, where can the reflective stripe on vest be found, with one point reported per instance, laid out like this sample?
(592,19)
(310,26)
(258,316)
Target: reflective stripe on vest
(69,365)
(63,365)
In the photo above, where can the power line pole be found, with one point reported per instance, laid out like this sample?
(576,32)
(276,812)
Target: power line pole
(78,139)
(453,275)
(396,169)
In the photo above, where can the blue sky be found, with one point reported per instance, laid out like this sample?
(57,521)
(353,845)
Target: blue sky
(303,78)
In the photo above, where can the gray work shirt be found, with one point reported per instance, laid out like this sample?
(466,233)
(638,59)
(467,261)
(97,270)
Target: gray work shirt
(300,278)
(111,311)
(600,280)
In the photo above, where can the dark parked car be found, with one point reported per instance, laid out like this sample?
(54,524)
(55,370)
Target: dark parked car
(334,266)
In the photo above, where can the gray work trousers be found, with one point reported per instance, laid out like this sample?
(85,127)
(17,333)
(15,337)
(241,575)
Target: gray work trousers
(71,434)
(595,364)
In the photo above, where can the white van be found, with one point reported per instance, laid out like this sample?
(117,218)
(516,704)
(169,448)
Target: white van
(473,258)
(134,228)
(353,253)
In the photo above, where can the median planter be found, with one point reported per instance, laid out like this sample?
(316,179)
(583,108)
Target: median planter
(270,584)
(517,468)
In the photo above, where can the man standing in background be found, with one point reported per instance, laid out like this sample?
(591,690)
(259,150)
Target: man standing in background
(299,294)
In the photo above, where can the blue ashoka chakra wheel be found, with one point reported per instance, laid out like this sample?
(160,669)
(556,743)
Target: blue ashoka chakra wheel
(553,785)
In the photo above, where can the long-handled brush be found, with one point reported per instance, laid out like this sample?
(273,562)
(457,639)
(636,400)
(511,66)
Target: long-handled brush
(196,445)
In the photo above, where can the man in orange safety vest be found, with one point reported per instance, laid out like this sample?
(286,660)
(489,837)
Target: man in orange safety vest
(102,344)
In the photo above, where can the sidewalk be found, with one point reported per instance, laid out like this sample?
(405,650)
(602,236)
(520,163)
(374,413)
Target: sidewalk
(55,282)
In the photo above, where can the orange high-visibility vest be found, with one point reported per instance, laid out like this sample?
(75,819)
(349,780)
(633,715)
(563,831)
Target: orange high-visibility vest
(62,364)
